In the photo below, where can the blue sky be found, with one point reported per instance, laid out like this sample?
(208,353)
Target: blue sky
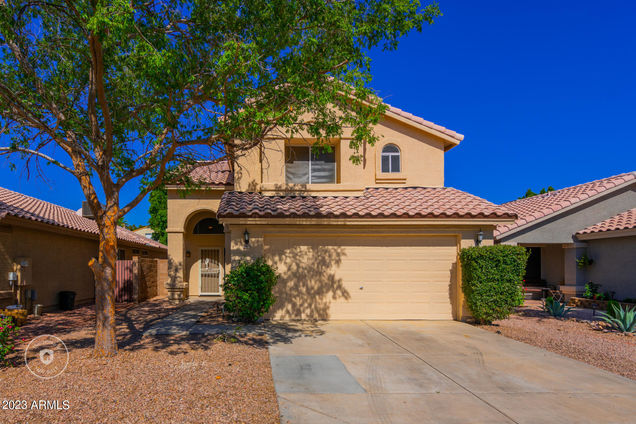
(544,91)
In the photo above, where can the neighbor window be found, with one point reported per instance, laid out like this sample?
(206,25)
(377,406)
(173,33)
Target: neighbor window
(208,226)
(302,166)
(390,158)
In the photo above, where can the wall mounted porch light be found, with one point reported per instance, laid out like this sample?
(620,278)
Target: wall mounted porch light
(480,237)
(246,237)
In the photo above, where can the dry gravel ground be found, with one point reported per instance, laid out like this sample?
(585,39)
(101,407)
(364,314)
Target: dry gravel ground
(570,337)
(167,379)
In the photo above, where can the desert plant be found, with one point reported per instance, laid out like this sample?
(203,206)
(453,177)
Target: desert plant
(7,332)
(491,280)
(248,290)
(612,308)
(555,308)
(624,321)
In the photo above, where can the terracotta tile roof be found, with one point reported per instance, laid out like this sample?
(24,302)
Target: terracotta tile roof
(542,205)
(622,221)
(217,173)
(26,207)
(403,202)
(429,124)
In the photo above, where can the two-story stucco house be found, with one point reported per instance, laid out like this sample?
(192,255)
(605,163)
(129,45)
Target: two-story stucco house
(379,240)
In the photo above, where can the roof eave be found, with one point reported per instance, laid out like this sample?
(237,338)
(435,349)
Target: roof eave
(627,232)
(449,142)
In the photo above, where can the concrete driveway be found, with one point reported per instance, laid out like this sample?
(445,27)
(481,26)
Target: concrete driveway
(436,372)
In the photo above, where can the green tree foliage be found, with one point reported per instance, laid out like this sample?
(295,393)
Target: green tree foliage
(531,193)
(248,290)
(158,211)
(492,278)
(130,92)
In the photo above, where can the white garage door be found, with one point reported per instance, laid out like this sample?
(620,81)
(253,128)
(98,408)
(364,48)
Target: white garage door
(363,277)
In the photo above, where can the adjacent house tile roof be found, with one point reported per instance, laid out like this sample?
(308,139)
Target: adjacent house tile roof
(403,202)
(542,205)
(622,221)
(429,124)
(216,173)
(26,207)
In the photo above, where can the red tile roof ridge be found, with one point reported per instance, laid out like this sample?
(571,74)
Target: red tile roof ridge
(31,208)
(542,205)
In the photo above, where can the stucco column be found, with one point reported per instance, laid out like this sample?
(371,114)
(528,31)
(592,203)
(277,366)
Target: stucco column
(176,256)
(574,277)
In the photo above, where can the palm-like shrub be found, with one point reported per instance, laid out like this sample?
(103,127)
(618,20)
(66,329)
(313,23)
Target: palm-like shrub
(555,308)
(623,320)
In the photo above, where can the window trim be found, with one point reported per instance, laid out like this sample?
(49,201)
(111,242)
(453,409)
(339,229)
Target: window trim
(335,164)
(390,155)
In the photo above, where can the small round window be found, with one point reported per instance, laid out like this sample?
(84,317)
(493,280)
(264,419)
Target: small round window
(391,158)
(208,226)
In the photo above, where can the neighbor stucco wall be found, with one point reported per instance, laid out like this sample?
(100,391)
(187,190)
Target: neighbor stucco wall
(561,228)
(422,159)
(614,265)
(552,264)
(59,260)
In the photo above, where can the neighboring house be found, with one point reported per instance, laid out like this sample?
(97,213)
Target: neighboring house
(594,220)
(55,245)
(144,231)
(378,240)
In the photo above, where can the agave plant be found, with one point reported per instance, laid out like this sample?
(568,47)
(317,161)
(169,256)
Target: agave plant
(555,308)
(622,319)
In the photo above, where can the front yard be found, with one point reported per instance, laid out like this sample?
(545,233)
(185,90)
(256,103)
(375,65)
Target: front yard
(190,378)
(580,336)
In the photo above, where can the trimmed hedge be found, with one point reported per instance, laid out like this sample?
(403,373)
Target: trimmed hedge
(248,290)
(492,280)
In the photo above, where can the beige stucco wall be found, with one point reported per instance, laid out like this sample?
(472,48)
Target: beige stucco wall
(614,265)
(465,235)
(59,260)
(552,263)
(422,160)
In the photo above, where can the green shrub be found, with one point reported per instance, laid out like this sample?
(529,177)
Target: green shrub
(612,308)
(591,291)
(492,279)
(7,332)
(248,290)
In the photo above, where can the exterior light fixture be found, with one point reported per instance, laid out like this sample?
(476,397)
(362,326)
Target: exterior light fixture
(246,237)
(188,254)
(480,237)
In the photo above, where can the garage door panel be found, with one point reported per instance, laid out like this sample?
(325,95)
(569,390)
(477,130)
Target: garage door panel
(402,277)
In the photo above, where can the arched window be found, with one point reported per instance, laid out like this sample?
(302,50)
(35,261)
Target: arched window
(208,226)
(391,158)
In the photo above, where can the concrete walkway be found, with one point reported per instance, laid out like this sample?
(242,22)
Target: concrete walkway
(181,321)
(436,372)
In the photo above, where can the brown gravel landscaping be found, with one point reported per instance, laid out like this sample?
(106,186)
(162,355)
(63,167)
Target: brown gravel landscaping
(574,337)
(176,379)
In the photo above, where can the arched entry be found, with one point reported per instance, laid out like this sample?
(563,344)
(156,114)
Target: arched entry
(204,244)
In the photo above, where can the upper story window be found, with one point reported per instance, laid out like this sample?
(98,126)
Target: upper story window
(208,226)
(302,166)
(391,158)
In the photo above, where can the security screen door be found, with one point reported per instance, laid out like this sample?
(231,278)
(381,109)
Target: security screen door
(210,271)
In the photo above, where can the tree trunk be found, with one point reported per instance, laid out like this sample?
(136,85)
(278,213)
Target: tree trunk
(104,271)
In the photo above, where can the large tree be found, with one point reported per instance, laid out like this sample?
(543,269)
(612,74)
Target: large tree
(127,92)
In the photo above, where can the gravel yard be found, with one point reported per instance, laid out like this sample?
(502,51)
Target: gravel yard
(573,337)
(185,379)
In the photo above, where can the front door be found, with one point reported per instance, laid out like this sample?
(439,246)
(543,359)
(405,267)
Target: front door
(210,274)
